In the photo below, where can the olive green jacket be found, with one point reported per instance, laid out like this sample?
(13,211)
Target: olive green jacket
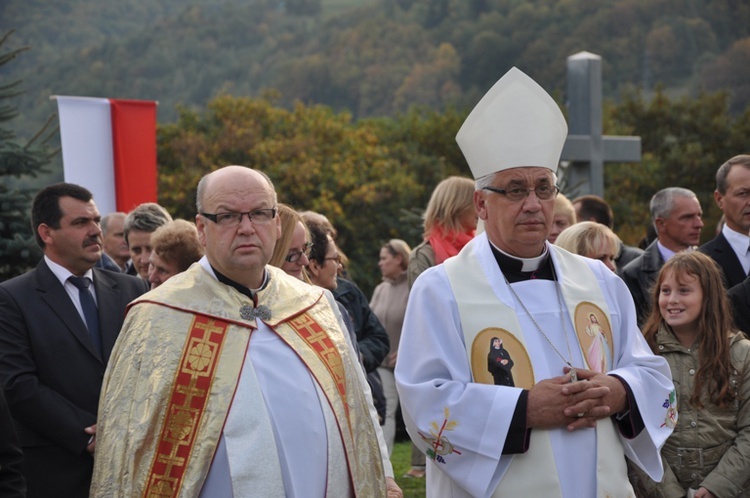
(421,258)
(710,447)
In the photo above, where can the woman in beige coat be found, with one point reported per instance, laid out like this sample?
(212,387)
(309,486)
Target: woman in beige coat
(708,454)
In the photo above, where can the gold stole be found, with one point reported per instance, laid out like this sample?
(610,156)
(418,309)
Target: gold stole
(186,406)
(534,473)
(205,356)
(322,355)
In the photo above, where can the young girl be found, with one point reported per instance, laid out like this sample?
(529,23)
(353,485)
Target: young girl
(690,325)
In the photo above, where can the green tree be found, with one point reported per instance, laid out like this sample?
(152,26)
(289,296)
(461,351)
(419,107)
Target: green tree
(303,7)
(373,177)
(432,84)
(17,161)
(684,142)
(370,58)
(731,70)
(357,174)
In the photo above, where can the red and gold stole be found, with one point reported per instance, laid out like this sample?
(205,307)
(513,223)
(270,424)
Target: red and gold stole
(187,403)
(316,338)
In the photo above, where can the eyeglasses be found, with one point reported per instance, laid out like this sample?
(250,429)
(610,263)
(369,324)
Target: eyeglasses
(336,258)
(230,219)
(515,194)
(294,256)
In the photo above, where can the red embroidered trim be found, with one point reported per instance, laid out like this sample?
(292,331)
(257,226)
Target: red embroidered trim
(186,406)
(313,334)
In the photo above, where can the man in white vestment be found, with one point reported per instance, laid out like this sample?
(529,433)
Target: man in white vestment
(563,430)
(233,379)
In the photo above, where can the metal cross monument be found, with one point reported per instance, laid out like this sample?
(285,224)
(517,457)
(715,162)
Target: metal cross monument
(586,148)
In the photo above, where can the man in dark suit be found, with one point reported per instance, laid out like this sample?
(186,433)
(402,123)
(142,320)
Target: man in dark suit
(731,248)
(12,484)
(594,208)
(739,295)
(677,218)
(114,245)
(55,339)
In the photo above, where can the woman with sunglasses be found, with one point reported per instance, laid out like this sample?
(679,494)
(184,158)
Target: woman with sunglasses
(292,250)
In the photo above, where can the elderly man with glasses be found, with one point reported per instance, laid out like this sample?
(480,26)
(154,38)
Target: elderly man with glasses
(564,427)
(234,378)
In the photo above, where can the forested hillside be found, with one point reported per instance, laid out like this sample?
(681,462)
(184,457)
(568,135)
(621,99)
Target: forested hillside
(370,57)
(381,87)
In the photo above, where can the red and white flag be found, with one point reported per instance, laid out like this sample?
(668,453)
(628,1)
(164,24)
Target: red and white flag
(109,147)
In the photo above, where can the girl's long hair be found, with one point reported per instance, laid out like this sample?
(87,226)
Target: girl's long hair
(714,325)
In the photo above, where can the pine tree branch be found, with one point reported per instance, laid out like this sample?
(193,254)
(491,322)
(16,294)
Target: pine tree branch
(42,131)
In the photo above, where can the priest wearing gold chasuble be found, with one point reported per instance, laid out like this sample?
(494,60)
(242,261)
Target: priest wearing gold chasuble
(233,379)
(563,429)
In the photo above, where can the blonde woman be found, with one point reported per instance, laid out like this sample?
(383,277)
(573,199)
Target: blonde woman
(591,240)
(563,217)
(450,222)
(292,251)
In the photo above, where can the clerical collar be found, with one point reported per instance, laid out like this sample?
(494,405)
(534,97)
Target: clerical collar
(518,269)
(251,293)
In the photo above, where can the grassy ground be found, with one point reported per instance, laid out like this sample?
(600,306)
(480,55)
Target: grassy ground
(401,460)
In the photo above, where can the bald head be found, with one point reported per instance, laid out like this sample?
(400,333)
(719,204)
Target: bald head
(113,236)
(239,247)
(228,172)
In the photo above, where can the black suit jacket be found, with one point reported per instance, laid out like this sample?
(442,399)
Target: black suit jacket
(739,295)
(107,263)
(627,254)
(52,374)
(639,275)
(12,484)
(721,252)
(371,336)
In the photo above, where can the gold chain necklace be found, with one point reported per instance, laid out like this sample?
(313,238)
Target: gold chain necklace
(572,372)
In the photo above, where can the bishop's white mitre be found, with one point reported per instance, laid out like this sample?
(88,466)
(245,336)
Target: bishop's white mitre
(515,124)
